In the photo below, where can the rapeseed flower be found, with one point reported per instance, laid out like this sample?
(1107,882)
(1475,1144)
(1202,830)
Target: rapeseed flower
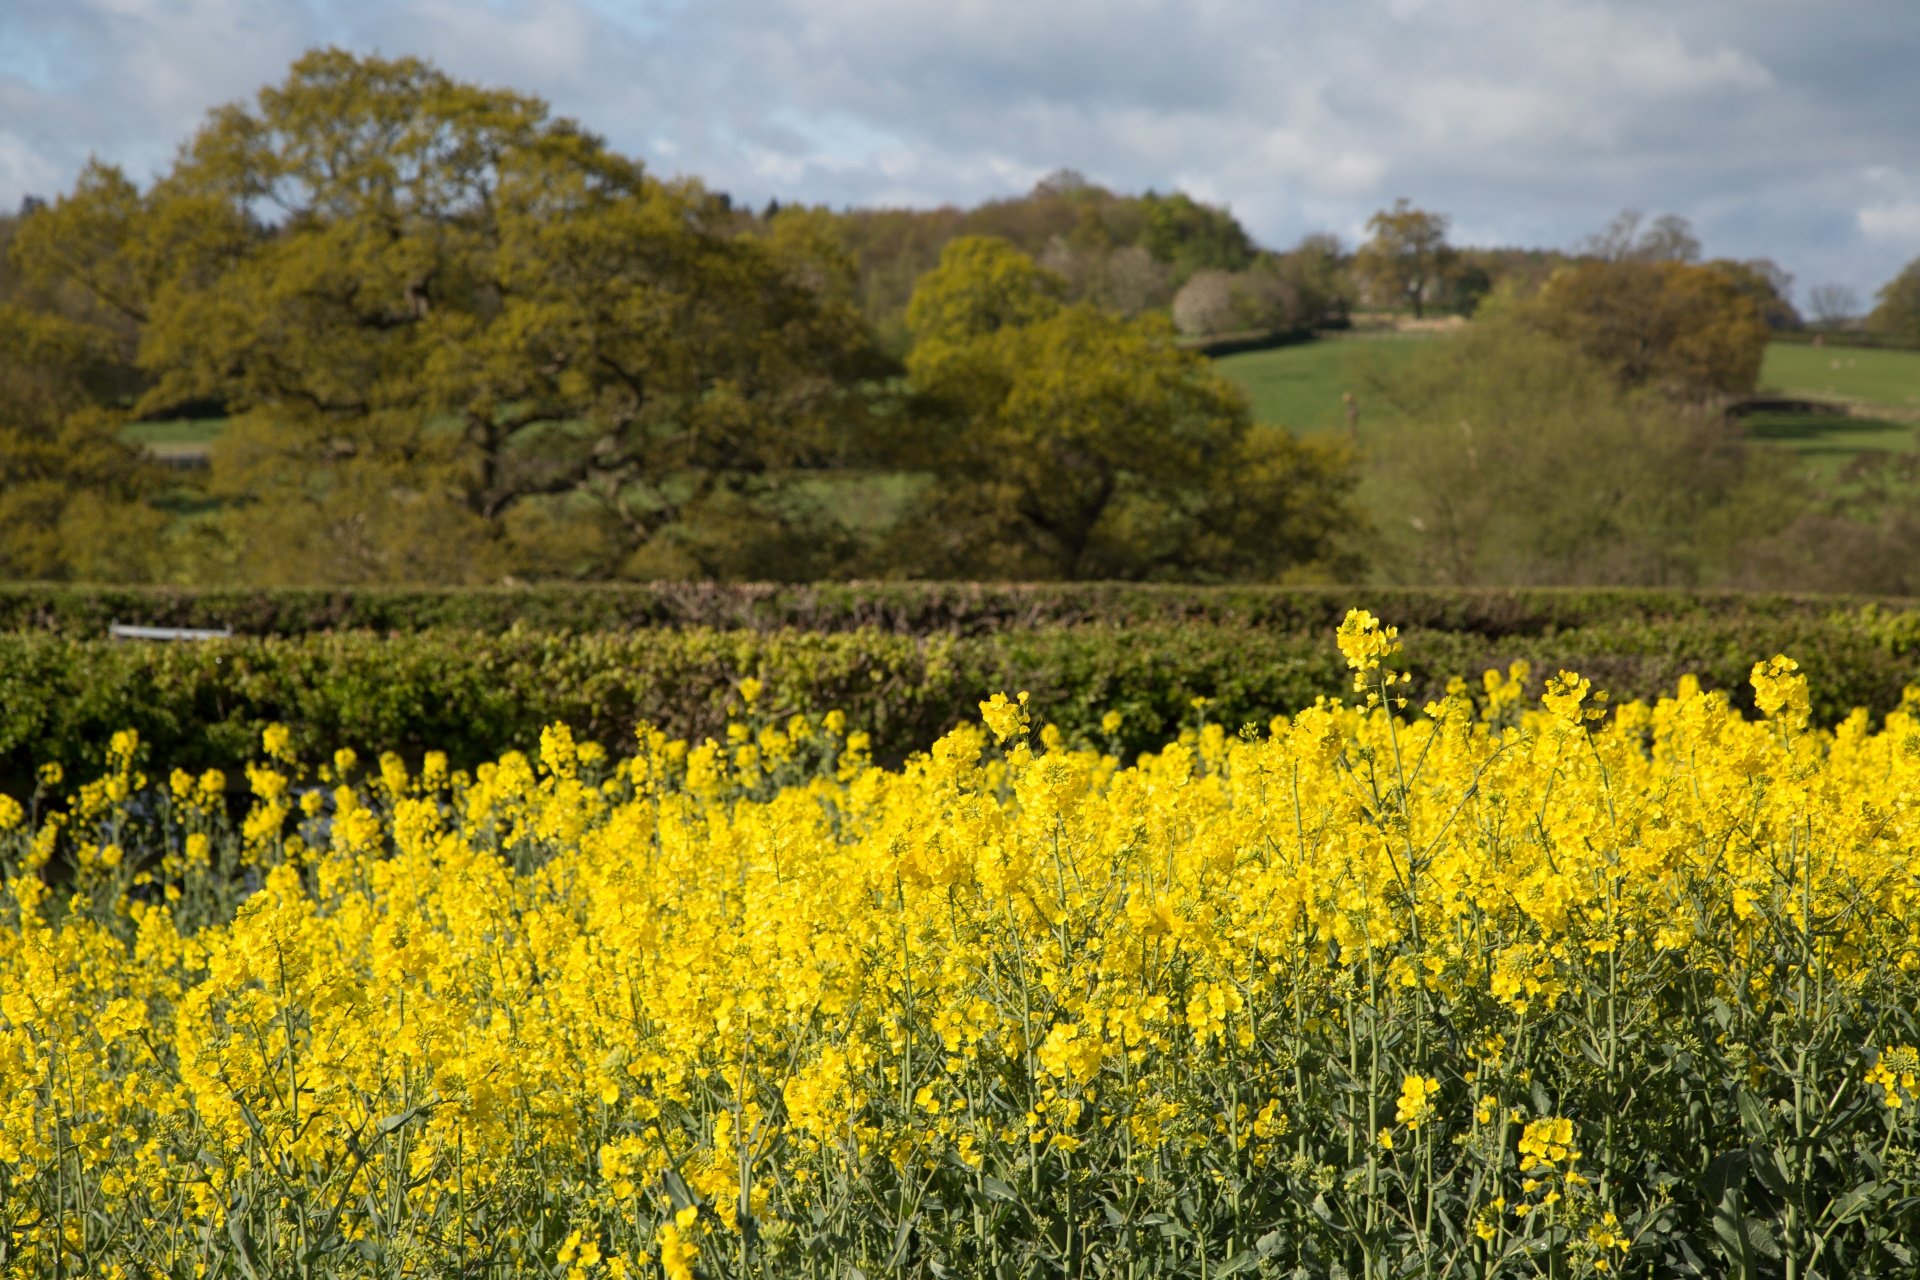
(722,1007)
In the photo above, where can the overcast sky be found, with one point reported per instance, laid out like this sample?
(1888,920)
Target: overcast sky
(1781,128)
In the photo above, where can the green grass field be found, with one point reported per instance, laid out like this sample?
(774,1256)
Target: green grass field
(1858,375)
(1875,397)
(177,438)
(1299,387)
(1829,441)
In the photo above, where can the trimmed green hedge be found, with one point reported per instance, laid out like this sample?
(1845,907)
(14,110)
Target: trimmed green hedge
(205,703)
(916,608)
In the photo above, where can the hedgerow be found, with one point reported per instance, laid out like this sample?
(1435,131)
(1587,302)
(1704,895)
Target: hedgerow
(916,608)
(472,695)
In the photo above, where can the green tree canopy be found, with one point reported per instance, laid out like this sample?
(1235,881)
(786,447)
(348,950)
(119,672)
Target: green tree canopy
(1898,309)
(75,503)
(427,296)
(1317,270)
(1768,284)
(1690,331)
(1408,255)
(1073,443)
(982,285)
(1523,461)
(1124,252)
(1191,236)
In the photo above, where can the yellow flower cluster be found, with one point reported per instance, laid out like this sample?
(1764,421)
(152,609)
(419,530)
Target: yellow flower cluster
(1897,1072)
(1416,1102)
(737,1006)
(1368,645)
(1007,718)
(1778,691)
(1547,1144)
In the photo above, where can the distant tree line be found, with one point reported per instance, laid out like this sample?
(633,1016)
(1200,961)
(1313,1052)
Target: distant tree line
(454,338)
(1579,431)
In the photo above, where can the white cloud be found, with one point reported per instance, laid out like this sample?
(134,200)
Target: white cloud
(1322,167)
(1899,222)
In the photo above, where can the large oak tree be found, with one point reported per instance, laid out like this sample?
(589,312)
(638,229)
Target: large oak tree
(1407,256)
(458,335)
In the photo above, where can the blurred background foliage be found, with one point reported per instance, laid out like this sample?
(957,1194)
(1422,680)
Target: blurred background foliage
(379,326)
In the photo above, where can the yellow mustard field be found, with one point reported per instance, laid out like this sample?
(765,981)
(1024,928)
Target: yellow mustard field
(1501,986)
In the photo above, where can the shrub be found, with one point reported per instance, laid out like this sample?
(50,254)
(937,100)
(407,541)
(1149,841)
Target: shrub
(204,704)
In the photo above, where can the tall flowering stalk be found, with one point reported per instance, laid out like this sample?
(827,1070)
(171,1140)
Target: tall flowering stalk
(1486,990)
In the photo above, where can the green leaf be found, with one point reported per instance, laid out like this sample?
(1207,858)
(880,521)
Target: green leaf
(901,1234)
(1770,1166)
(1729,1228)
(1723,1187)
(1725,1176)
(1754,1114)
(1858,1200)
(998,1190)
(390,1123)
(1245,1260)
(242,1244)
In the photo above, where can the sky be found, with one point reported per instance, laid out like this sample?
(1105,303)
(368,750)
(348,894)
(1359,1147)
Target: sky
(1787,129)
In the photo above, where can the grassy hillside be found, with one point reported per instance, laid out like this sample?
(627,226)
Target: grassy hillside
(1299,387)
(1874,394)
(1828,441)
(1858,375)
